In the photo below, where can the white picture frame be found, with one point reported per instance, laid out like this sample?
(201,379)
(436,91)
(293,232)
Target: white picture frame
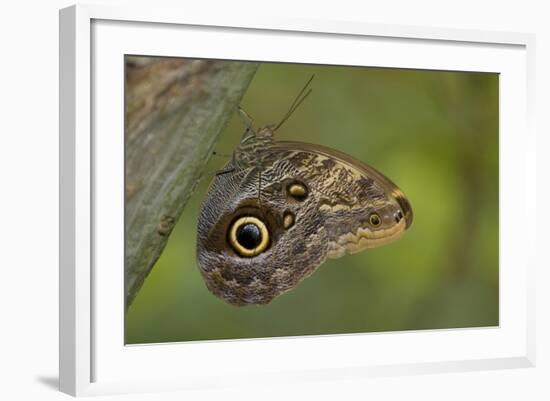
(94,360)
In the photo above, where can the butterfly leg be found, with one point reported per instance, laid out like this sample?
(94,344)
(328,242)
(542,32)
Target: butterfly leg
(231,169)
(247,120)
(222,172)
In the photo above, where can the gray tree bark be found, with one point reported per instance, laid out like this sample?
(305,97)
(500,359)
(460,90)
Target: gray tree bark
(175,110)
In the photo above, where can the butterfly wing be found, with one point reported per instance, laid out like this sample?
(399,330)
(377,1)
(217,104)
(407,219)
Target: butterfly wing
(263,229)
(361,207)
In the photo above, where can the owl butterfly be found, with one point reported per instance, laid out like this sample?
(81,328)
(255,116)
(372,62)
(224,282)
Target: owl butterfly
(279,209)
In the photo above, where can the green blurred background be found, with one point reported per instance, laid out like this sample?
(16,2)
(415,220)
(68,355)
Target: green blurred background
(435,134)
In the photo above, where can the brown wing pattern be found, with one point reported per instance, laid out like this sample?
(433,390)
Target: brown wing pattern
(332,215)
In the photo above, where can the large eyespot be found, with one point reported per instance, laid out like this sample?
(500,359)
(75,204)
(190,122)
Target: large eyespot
(374,219)
(248,236)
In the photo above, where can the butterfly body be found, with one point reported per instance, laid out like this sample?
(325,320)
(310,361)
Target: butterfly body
(280,209)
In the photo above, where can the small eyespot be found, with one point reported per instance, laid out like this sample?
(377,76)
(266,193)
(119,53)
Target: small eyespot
(248,236)
(288,220)
(374,219)
(297,191)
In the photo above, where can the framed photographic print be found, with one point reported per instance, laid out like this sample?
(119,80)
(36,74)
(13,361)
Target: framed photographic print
(290,200)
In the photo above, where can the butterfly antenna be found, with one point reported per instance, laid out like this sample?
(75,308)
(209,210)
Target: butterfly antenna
(296,103)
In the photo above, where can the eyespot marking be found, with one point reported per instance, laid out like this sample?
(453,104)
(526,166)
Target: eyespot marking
(297,190)
(248,236)
(288,220)
(374,219)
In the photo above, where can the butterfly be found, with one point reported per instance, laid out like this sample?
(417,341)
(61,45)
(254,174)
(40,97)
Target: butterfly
(279,209)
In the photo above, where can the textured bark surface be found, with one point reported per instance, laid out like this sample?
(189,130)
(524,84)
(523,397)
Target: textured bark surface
(175,110)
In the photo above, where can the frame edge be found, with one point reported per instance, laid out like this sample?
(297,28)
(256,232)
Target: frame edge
(67,113)
(530,47)
(74,201)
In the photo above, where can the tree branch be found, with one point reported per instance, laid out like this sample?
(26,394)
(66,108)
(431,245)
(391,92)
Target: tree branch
(175,110)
